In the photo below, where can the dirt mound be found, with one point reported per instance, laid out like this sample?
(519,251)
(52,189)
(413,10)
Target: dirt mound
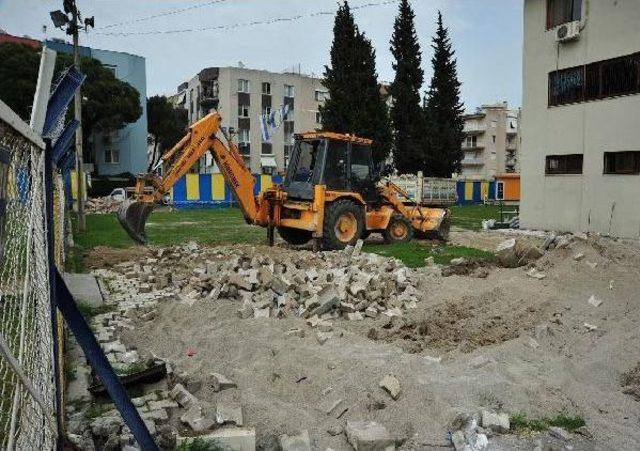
(107,257)
(471,322)
(630,382)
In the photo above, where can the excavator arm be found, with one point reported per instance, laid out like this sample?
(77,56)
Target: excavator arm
(203,137)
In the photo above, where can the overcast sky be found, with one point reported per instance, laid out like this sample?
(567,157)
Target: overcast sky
(487,36)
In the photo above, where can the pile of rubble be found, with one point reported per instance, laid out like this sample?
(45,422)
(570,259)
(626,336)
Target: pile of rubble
(326,285)
(102,205)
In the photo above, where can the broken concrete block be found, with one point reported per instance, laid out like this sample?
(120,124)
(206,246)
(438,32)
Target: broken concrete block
(391,385)
(322,337)
(261,312)
(299,442)
(329,405)
(162,404)
(460,261)
(182,396)
(325,326)
(329,300)
(295,333)
(559,433)
(369,436)
(230,438)
(195,419)
(579,256)
(355,316)
(371,312)
(357,249)
(535,274)
(229,414)
(594,301)
(219,382)
(497,422)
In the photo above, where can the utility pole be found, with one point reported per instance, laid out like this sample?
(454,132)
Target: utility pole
(73,26)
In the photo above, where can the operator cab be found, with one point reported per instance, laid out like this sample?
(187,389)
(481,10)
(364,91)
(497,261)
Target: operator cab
(340,162)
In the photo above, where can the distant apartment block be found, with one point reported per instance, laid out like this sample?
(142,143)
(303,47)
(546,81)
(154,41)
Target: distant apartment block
(491,142)
(580,126)
(125,150)
(241,95)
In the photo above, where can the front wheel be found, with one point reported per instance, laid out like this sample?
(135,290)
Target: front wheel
(343,224)
(399,230)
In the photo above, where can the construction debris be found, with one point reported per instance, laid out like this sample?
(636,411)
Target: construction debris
(369,436)
(102,205)
(391,385)
(327,285)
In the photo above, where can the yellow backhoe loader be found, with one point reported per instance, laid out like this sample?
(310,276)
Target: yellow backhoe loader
(331,193)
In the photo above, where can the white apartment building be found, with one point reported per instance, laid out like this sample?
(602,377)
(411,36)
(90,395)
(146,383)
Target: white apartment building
(491,142)
(241,95)
(581,116)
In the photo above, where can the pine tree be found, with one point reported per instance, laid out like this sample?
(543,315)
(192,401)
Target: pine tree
(406,112)
(354,104)
(443,110)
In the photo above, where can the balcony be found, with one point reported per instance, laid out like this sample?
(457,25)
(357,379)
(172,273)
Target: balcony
(210,95)
(473,147)
(474,129)
(472,162)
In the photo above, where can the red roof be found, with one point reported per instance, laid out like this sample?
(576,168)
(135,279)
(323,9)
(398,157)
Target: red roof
(9,38)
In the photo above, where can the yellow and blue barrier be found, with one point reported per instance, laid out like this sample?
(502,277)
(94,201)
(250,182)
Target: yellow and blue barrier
(211,191)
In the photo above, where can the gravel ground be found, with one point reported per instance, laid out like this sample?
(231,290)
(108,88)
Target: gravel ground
(507,342)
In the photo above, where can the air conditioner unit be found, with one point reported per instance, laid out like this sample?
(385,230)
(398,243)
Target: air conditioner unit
(568,32)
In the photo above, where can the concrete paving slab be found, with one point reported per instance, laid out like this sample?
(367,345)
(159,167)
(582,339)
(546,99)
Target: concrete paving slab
(84,288)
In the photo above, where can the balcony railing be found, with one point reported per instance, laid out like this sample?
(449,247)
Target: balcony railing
(472,162)
(474,128)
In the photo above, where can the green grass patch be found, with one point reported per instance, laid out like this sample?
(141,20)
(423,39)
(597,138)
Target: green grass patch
(89,311)
(470,216)
(198,444)
(166,228)
(97,409)
(414,253)
(520,422)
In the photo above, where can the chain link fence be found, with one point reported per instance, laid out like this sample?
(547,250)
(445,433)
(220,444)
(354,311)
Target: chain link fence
(27,379)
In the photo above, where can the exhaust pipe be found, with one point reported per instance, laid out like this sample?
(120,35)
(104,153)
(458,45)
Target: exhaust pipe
(132,216)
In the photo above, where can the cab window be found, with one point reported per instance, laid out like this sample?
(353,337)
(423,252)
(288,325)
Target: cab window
(335,171)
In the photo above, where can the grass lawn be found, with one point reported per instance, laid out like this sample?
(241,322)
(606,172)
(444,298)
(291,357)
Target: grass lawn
(222,226)
(414,253)
(471,216)
(165,228)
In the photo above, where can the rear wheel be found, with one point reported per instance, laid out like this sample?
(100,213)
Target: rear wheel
(399,230)
(343,224)
(294,236)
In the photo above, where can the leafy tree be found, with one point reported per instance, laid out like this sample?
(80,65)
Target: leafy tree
(443,110)
(18,76)
(166,123)
(406,113)
(354,104)
(108,104)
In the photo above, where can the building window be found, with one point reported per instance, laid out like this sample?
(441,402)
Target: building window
(266,88)
(290,115)
(318,117)
(243,85)
(627,162)
(289,91)
(563,11)
(244,135)
(564,164)
(598,80)
(288,141)
(243,110)
(321,96)
(111,156)
(493,137)
(472,141)
(267,111)
(267,149)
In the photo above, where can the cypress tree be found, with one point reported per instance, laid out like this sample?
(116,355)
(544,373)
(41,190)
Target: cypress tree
(406,112)
(354,104)
(443,110)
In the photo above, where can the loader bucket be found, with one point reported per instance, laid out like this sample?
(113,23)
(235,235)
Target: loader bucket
(133,217)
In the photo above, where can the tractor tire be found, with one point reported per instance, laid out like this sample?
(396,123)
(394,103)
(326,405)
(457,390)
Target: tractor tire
(295,237)
(343,224)
(443,232)
(399,230)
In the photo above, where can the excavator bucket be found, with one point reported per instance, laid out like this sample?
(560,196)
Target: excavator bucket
(133,216)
